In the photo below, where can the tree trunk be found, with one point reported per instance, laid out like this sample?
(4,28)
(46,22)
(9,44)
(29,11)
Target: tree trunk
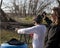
(58,2)
(1,3)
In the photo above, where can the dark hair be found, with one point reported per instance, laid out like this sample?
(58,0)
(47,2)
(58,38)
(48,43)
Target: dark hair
(38,19)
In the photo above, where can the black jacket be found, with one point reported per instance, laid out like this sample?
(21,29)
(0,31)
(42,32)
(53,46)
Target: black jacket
(48,20)
(52,37)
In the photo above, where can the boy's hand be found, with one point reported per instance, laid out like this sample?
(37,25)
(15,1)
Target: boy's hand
(16,29)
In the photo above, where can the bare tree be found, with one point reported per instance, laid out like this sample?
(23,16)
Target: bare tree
(20,8)
(33,7)
(1,3)
(43,6)
(37,6)
(0,8)
(30,7)
(16,7)
(24,8)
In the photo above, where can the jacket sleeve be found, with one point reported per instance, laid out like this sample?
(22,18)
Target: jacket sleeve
(29,30)
(53,38)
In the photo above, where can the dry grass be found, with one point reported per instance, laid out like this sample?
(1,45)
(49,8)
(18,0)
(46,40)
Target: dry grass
(7,35)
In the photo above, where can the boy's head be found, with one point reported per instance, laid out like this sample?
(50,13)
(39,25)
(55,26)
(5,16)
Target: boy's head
(38,19)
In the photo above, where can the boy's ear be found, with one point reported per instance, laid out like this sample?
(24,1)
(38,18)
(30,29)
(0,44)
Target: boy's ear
(16,29)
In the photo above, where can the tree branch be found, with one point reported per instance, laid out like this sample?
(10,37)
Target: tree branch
(1,3)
